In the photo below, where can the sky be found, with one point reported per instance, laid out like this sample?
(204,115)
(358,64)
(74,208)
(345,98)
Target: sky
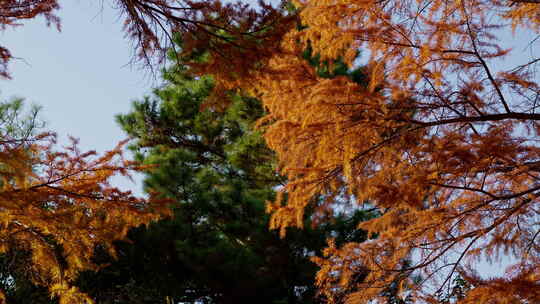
(81,76)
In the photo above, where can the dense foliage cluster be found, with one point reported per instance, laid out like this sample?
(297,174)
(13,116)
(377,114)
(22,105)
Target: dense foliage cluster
(57,206)
(442,140)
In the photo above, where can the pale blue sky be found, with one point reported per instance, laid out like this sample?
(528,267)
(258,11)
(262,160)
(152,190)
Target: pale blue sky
(81,75)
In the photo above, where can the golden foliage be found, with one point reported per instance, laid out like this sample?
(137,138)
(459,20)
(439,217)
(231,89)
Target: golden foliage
(59,205)
(442,140)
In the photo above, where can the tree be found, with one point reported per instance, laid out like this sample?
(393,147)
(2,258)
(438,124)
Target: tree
(57,207)
(217,248)
(442,140)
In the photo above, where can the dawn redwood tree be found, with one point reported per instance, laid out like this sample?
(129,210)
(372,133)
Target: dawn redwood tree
(57,206)
(443,141)
(14,281)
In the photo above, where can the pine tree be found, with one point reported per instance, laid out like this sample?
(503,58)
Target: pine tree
(217,248)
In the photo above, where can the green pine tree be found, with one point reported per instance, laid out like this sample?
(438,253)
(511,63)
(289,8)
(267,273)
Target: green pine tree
(217,169)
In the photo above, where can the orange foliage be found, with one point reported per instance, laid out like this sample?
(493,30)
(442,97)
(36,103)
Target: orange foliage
(230,34)
(442,140)
(59,206)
